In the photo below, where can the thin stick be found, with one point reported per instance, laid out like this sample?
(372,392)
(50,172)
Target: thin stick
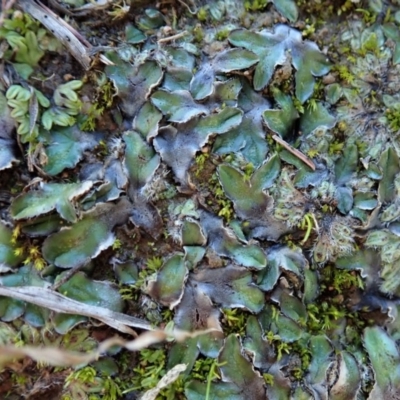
(294,151)
(189,9)
(173,37)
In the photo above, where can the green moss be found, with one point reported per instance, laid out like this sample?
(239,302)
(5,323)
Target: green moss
(255,5)
(202,14)
(393,118)
(308,30)
(198,33)
(340,280)
(269,379)
(102,101)
(368,16)
(200,162)
(84,383)
(150,369)
(222,34)
(344,74)
(234,321)
(226,210)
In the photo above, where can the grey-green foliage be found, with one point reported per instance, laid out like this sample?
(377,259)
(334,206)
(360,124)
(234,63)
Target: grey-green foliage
(251,201)
(384,355)
(8,258)
(282,120)
(248,137)
(178,145)
(175,104)
(389,245)
(223,241)
(11,309)
(167,287)
(65,148)
(133,84)
(76,245)
(239,380)
(49,197)
(271,49)
(7,151)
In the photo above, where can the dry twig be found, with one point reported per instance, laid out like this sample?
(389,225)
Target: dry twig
(294,151)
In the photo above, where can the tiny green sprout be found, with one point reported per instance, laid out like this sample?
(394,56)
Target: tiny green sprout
(126,293)
(201,368)
(211,376)
(234,321)
(341,280)
(312,153)
(167,315)
(336,147)
(225,206)
(16,232)
(102,149)
(117,244)
(150,369)
(19,251)
(255,5)
(269,379)
(19,379)
(103,100)
(276,340)
(85,375)
(370,45)
(312,312)
(298,105)
(154,264)
(84,383)
(346,6)
(35,257)
(275,313)
(111,389)
(345,74)
(202,14)
(308,222)
(301,348)
(312,104)
(298,373)
(198,33)
(200,161)
(282,348)
(89,123)
(272,337)
(119,12)
(393,118)
(248,170)
(222,34)
(308,30)
(368,17)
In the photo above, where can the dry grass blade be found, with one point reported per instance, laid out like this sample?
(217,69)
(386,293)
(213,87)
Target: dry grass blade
(58,357)
(294,151)
(170,377)
(60,29)
(55,301)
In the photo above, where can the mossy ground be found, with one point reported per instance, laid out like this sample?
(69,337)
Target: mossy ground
(339,292)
